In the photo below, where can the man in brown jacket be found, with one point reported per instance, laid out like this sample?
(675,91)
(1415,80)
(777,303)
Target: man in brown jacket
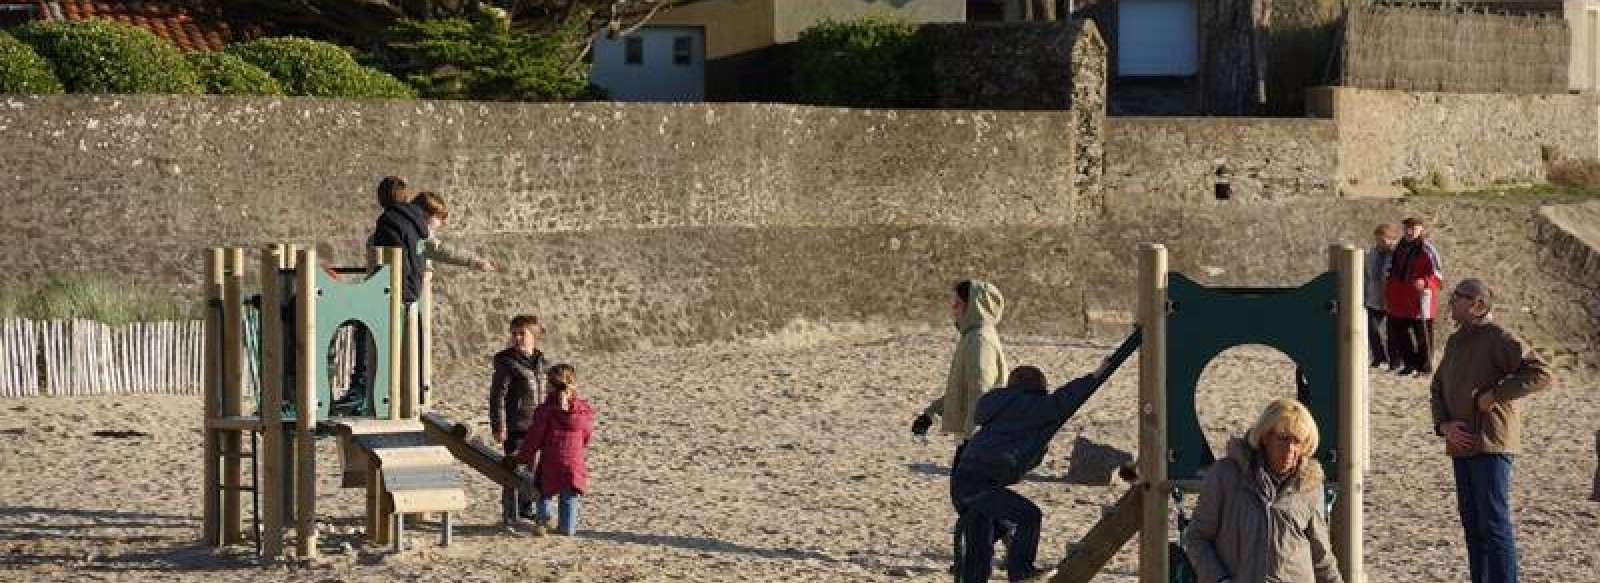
(1485,370)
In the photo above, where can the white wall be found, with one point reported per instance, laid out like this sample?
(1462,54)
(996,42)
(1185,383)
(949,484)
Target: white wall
(658,76)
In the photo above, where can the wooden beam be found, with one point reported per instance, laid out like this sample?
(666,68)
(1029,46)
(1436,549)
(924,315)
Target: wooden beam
(273,446)
(211,495)
(306,405)
(394,257)
(232,392)
(481,458)
(411,392)
(425,345)
(235,424)
(1104,539)
(1153,559)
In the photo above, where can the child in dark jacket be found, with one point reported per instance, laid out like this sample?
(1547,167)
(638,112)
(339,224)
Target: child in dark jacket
(513,396)
(555,445)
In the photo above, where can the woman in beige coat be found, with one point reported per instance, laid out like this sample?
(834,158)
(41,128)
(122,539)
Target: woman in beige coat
(1260,517)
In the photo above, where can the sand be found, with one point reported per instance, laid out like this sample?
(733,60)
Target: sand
(753,462)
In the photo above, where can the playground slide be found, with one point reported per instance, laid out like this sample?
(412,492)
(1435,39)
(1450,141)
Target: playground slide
(484,458)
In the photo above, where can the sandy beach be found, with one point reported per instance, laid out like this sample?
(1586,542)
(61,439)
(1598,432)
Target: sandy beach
(774,461)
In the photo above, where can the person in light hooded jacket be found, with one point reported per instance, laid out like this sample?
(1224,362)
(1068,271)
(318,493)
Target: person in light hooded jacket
(979,362)
(1260,517)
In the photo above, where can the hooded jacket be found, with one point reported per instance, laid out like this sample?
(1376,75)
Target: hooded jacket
(514,389)
(404,226)
(1249,532)
(978,364)
(557,441)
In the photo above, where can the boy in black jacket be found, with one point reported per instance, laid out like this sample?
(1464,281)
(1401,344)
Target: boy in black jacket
(513,395)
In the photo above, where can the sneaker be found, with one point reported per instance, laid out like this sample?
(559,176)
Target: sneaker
(1405,372)
(1036,575)
(540,529)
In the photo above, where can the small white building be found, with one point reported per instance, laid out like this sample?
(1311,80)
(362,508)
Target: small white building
(654,63)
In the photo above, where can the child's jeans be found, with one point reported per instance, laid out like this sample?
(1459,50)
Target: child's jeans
(567,523)
(514,503)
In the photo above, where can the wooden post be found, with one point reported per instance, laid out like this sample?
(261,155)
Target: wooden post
(394,257)
(425,344)
(305,405)
(211,498)
(273,447)
(411,396)
(1153,561)
(377,523)
(232,397)
(1352,378)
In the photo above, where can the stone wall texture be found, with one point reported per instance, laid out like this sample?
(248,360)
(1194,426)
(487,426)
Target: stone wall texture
(1174,160)
(636,225)
(1452,140)
(1427,49)
(626,224)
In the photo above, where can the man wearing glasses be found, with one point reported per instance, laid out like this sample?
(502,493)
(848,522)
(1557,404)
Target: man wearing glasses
(1485,370)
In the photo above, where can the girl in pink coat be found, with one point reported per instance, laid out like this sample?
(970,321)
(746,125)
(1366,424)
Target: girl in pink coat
(554,446)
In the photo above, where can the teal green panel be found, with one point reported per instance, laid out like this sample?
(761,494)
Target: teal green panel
(1203,322)
(367,302)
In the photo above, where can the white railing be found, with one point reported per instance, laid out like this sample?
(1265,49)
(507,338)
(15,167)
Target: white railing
(84,357)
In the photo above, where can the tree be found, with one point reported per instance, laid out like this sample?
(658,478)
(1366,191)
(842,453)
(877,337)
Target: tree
(367,23)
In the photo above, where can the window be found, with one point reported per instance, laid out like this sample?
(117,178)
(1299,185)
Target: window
(633,50)
(682,50)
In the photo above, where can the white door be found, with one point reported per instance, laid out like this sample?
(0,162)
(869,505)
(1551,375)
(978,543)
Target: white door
(1157,38)
(655,63)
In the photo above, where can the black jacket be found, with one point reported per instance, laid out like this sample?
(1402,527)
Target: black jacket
(514,389)
(404,226)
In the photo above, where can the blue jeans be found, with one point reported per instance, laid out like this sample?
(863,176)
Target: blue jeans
(1483,496)
(567,522)
(989,508)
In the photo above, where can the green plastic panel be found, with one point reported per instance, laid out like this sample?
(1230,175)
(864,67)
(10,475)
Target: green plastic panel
(365,302)
(1203,322)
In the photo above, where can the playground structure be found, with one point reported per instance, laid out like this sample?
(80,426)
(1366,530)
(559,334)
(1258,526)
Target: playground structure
(406,463)
(1184,325)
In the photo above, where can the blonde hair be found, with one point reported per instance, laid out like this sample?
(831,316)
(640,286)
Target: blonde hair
(1286,416)
(433,204)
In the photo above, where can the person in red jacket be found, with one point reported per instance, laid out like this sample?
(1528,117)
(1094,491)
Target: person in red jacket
(1411,293)
(554,446)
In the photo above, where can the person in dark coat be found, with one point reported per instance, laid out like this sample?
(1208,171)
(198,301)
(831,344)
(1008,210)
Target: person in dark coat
(513,396)
(1013,424)
(561,430)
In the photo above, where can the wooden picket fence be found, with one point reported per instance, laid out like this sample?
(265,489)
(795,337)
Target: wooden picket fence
(84,357)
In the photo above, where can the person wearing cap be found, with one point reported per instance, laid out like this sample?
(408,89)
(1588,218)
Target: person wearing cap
(1410,297)
(1485,370)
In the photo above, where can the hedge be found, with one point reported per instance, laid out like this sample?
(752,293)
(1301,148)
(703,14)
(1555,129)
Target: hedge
(23,71)
(100,56)
(315,68)
(225,74)
(870,62)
